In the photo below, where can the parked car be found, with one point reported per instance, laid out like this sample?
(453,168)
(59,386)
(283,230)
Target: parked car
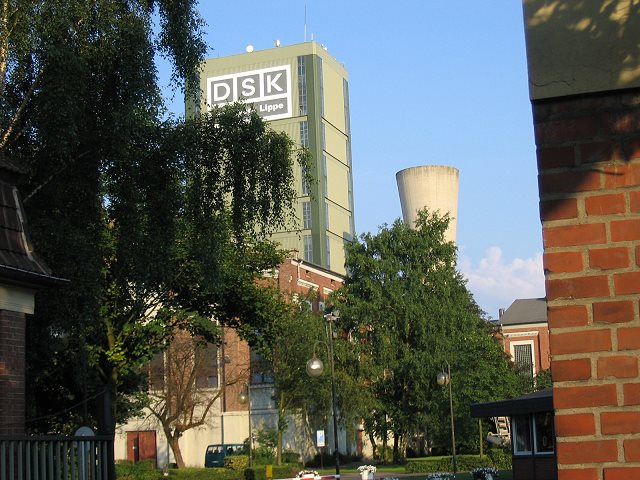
(214,457)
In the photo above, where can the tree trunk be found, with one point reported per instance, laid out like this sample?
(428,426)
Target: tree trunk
(281,424)
(174,441)
(374,445)
(107,424)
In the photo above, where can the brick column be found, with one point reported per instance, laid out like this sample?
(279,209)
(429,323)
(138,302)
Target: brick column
(589,177)
(12,358)
(585,91)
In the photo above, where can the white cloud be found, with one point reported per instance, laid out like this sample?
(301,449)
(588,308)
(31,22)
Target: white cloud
(496,282)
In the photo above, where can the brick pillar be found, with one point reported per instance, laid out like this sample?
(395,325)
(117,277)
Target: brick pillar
(584,83)
(12,361)
(589,178)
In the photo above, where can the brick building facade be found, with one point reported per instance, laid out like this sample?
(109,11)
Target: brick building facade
(584,75)
(228,422)
(21,274)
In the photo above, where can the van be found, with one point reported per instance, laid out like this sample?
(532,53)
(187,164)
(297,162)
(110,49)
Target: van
(214,457)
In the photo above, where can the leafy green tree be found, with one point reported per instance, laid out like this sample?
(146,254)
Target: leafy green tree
(157,224)
(287,344)
(409,312)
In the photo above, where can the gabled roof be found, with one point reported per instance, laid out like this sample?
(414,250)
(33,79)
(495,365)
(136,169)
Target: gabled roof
(525,310)
(18,263)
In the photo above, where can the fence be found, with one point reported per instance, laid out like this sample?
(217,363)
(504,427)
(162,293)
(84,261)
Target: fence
(54,458)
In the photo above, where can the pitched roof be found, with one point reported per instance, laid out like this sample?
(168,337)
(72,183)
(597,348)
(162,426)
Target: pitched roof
(18,261)
(525,310)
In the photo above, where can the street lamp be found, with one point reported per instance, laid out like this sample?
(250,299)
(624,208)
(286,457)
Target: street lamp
(315,368)
(245,399)
(444,378)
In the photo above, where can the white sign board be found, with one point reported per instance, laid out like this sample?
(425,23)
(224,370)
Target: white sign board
(267,89)
(320,438)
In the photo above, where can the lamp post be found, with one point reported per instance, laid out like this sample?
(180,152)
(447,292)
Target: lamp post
(444,378)
(315,368)
(245,398)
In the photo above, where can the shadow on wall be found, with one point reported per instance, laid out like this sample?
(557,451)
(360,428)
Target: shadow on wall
(582,46)
(583,143)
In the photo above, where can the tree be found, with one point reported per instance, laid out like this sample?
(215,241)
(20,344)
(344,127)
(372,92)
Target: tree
(184,387)
(296,392)
(409,312)
(157,223)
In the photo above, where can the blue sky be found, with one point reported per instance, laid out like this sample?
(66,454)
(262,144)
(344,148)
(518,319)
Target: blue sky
(431,83)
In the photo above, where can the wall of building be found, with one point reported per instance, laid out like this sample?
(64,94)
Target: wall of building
(585,90)
(228,421)
(327,119)
(537,335)
(12,370)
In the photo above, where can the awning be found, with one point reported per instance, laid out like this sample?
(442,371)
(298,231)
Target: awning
(540,401)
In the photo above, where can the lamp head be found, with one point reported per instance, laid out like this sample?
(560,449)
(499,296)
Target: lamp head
(443,378)
(315,367)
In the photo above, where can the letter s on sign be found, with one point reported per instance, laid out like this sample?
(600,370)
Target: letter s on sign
(248,87)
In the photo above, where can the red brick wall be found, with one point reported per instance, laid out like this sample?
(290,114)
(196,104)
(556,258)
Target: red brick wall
(540,343)
(12,338)
(588,151)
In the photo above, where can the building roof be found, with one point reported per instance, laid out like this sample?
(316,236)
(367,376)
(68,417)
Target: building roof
(18,262)
(540,401)
(525,310)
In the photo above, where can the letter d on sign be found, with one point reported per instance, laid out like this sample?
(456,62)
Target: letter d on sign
(220,92)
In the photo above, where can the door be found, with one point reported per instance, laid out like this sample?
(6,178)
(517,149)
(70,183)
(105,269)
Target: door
(142,446)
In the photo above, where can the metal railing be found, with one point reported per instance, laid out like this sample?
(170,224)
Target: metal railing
(54,458)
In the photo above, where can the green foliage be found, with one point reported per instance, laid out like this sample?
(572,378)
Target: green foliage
(205,473)
(267,437)
(290,457)
(445,464)
(409,313)
(158,224)
(249,474)
(236,462)
(384,453)
(259,473)
(501,458)
(544,379)
(143,470)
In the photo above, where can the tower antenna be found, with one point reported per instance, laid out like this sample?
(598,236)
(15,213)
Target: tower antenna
(305,21)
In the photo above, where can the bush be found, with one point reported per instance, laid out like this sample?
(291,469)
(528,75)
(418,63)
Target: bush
(326,460)
(388,454)
(279,471)
(289,456)
(218,473)
(445,464)
(143,470)
(236,462)
(501,458)
(264,456)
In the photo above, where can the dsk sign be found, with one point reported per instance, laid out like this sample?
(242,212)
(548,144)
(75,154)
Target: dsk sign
(267,89)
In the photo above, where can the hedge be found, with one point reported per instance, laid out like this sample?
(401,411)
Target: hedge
(464,463)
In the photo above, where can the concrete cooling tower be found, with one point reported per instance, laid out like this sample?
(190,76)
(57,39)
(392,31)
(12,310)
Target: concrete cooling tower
(431,186)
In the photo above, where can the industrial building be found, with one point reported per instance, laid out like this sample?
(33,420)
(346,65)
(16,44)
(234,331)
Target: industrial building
(303,91)
(434,187)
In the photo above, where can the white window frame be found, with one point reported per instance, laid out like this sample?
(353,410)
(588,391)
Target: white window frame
(308,248)
(512,351)
(306,215)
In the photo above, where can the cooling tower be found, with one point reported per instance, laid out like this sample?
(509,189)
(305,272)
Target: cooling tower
(431,186)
